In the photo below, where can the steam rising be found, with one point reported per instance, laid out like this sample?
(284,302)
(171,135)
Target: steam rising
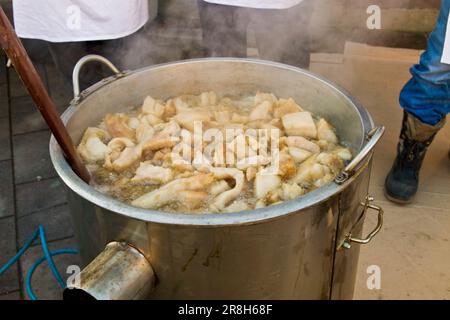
(279,35)
(287,36)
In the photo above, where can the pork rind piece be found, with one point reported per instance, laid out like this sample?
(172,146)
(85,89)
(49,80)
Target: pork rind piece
(286,167)
(187,191)
(167,137)
(285,107)
(299,155)
(260,97)
(149,174)
(265,182)
(300,124)
(326,132)
(291,191)
(302,143)
(153,107)
(92,147)
(186,119)
(222,200)
(122,153)
(117,126)
(262,111)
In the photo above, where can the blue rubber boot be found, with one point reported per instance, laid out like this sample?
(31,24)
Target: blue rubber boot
(402,181)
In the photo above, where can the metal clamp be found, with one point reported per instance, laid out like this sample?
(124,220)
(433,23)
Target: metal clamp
(373,137)
(367,205)
(82,62)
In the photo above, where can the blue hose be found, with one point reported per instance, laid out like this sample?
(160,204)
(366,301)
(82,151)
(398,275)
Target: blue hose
(36,264)
(47,256)
(20,252)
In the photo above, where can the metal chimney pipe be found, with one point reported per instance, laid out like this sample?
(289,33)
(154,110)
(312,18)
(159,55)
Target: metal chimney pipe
(120,272)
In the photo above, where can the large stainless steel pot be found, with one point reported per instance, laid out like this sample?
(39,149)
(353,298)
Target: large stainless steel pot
(296,250)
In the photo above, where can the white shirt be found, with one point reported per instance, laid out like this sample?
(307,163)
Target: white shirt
(259,4)
(78,20)
(446,53)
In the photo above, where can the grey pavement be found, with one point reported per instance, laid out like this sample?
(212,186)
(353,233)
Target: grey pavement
(30,193)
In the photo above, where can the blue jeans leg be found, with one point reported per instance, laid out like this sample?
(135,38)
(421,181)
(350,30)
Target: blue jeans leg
(427,94)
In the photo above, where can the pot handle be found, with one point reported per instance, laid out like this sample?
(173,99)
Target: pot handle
(82,62)
(367,205)
(373,137)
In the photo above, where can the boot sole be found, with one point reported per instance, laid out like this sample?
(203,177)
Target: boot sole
(398,201)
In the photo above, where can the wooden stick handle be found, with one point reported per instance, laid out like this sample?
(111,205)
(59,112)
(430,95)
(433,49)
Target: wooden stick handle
(16,53)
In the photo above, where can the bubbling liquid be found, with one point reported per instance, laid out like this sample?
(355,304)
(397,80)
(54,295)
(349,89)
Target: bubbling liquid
(210,154)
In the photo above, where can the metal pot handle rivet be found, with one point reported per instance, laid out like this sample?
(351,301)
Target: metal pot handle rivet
(367,205)
(82,62)
(373,137)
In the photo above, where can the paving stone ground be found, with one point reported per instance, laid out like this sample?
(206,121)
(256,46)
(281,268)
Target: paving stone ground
(30,192)
(6,190)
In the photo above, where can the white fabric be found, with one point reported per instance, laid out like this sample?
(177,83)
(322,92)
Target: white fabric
(78,20)
(446,53)
(259,4)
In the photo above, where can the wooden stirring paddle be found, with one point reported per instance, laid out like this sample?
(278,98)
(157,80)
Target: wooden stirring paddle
(21,61)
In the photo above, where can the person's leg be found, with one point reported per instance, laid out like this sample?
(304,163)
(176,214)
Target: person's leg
(66,55)
(224,30)
(426,102)
(37,50)
(427,94)
(283,35)
(111,50)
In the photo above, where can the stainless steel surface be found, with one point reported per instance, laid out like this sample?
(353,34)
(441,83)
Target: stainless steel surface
(351,220)
(83,61)
(120,272)
(285,251)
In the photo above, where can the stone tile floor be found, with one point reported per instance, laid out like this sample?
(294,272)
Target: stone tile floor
(30,192)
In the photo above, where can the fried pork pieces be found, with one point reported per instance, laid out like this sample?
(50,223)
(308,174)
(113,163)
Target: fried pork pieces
(205,154)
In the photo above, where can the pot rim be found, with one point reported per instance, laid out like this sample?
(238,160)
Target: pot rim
(315,197)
